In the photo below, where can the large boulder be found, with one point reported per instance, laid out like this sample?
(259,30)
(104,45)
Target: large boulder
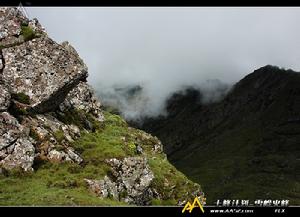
(43,70)
(129,181)
(16,148)
(82,97)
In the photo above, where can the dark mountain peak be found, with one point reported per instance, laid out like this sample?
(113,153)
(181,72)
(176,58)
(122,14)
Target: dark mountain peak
(248,138)
(185,97)
(268,76)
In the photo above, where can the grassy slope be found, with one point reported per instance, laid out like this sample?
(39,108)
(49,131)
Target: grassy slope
(63,184)
(252,153)
(233,172)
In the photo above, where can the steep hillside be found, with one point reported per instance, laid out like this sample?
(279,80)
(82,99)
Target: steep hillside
(57,146)
(246,145)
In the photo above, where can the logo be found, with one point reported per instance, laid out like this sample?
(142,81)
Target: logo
(189,207)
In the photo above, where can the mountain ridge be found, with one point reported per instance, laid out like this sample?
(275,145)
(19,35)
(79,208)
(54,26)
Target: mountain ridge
(253,131)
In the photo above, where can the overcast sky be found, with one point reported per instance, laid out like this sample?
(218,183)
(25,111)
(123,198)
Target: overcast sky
(168,47)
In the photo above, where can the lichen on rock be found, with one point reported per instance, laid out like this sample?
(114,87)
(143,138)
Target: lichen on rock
(82,97)
(53,138)
(130,181)
(4,98)
(43,70)
(16,148)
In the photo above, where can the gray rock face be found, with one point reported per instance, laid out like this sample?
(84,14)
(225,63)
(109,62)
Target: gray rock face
(53,76)
(62,156)
(10,130)
(82,97)
(4,98)
(43,70)
(10,23)
(50,135)
(130,181)
(48,73)
(16,149)
(22,156)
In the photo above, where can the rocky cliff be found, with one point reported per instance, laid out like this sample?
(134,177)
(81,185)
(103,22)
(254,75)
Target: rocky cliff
(57,146)
(244,146)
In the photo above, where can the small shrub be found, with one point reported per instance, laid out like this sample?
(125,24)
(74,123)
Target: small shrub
(17,111)
(132,148)
(27,33)
(21,97)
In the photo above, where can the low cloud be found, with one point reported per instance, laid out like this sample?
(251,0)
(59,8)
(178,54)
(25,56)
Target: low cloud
(165,49)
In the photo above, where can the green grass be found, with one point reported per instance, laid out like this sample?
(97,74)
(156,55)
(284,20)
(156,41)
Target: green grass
(59,136)
(232,173)
(63,184)
(27,32)
(171,183)
(78,118)
(52,184)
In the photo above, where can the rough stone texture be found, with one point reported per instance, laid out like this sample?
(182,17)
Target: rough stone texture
(149,141)
(43,70)
(35,25)
(45,128)
(130,181)
(82,97)
(16,149)
(22,156)
(10,22)
(4,98)
(10,130)
(72,50)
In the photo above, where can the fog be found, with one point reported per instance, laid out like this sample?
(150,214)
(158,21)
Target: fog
(164,49)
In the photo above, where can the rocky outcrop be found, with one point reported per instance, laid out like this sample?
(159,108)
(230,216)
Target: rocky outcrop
(10,25)
(82,97)
(47,76)
(16,148)
(130,181)
(39,78)
(13,26)
(53,138)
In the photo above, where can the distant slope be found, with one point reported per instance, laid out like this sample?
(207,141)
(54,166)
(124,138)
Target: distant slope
(244,147)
